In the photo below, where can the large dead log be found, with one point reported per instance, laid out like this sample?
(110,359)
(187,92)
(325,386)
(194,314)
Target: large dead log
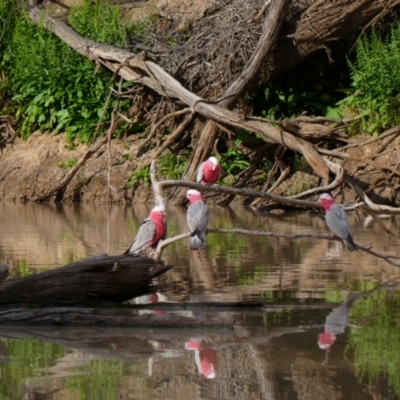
(89,282)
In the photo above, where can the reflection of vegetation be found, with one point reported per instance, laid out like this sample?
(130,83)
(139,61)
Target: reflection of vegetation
(99,379)
(28,359)
(376,344)
(21,269)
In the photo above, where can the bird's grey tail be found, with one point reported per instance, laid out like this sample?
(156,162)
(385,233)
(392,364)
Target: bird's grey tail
(349,242)
(195,242)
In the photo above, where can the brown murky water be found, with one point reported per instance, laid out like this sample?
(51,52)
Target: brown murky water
(329,329)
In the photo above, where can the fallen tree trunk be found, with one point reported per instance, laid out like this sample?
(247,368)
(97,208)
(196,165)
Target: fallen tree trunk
(98,280)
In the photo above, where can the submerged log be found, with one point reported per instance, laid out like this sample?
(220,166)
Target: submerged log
(93,281)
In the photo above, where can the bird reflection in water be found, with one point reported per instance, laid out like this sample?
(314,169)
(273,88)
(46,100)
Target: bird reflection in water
(336,322)
(338,319)
(206,358)
(150,298)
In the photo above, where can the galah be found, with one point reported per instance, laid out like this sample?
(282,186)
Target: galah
(197,218)
(337,222)
(150,232)
(209,171)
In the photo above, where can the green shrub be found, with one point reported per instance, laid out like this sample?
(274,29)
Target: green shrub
(54,87)
(311,88)
(375,78)
(172,166)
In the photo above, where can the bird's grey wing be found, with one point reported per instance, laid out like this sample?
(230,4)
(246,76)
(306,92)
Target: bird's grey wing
(198,216)
(204,216)
(336,219)
(199,176)
(144,236)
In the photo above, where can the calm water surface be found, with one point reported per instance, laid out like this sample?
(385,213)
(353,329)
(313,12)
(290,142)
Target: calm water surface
(329,329)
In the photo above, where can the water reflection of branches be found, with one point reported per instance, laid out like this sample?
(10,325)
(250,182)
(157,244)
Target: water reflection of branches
(387,257)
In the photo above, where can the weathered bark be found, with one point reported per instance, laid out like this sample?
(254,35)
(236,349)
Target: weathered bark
(324,22)
(135,68)
(320,24)
(89,282)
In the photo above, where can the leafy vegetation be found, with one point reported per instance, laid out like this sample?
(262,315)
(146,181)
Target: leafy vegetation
(375,344)
(313,88)
(138,176)
(172,166)
(375,78)
(67,164)
(51,86)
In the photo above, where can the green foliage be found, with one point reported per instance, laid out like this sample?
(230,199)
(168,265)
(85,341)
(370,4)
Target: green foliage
(54,88)
(136,177)
(234,161)
(310,87)
(375,78)
(21,269)
(172,166)
(67,164)
(27,359)
(374,344)
(127,157)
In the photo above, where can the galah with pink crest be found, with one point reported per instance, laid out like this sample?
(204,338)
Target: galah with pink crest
(337,222)
(197,218)
(150,232)
(209,171)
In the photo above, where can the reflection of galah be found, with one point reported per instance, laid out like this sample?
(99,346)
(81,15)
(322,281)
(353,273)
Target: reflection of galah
(151,231)
(336,322)
(337,222)
(209,171)
(206,358)
(151,298)
(197,218)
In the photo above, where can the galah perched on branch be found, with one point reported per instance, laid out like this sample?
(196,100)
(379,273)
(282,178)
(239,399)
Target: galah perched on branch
(209,171)
(197,218)
(151,231)
(337,222)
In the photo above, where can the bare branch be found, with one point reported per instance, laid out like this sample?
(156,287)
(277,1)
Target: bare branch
(389,259)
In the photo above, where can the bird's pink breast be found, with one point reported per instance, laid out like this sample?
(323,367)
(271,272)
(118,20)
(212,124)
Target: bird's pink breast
(209,175)
(194,198)
(161,227)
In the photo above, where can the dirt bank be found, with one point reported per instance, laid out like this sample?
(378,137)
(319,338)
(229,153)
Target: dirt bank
(31,167)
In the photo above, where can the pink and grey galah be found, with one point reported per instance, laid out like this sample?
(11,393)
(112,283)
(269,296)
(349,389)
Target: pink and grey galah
(337,222)
(197,218)
(150,232)
(209,171)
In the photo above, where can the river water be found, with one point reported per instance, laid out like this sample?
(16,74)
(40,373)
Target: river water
(329,328)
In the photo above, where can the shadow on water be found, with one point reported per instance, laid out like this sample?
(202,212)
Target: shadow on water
(328,329)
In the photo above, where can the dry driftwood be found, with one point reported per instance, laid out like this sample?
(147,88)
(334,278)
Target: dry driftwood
(276,50)
(93,281)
